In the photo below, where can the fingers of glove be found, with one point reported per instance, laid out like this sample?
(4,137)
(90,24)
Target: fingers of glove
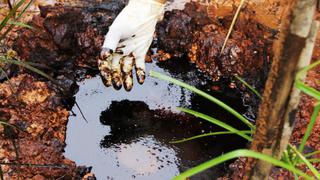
(116,71)
(104,65)
(140,54)
(112,39)
(126,68)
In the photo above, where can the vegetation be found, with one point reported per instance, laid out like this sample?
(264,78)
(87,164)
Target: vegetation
(292,158)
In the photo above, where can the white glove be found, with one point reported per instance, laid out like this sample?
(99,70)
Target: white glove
(127,43)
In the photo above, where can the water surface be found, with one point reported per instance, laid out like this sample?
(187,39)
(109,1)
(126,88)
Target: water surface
(128,133)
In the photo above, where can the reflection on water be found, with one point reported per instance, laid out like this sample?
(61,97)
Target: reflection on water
(128,134)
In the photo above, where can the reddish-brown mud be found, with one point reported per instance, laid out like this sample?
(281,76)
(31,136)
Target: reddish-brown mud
(34,149)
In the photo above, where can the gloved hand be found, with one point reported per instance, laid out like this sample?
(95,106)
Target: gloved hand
(127,43)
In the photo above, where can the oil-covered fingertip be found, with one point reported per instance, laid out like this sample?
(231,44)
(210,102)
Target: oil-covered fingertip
(106,82)
(128,83)
(116,85)
(141,76)
(116,81)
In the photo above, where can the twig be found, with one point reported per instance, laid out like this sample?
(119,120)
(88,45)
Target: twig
(232,25)
(81,112)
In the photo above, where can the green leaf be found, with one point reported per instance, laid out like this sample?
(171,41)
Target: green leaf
(209,134)
(236,154)
(205,95)
(216,122)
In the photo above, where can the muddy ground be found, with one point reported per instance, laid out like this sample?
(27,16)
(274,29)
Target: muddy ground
(65,43)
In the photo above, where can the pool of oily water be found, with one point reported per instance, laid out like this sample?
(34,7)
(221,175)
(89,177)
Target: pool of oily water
(128,134)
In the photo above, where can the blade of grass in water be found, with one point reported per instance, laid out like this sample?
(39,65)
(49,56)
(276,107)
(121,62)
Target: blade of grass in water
(216,122)
(208,134)
(237,154)
(249,86)
(303,159)
(205,95)
(232,25)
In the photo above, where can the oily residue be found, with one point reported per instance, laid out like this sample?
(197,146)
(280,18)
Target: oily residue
(128,134)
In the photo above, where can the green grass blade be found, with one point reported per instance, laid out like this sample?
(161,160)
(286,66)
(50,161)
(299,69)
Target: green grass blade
(205,95)
(308,90)
(303,87)
(304,70)
(305,161)
(314,160)
(10,15)
(216,122)
(24,9)
(286,158)
(249,86)
(20,24)
(16,19)
(237,154)
(7,77)
(27,66)
(312,154)
(309,128)
(9,125)
(235,17)
(208,134)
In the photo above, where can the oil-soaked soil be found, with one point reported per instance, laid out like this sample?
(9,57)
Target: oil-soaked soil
(65,42)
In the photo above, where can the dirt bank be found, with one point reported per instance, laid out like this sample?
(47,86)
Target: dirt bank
(38,143)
